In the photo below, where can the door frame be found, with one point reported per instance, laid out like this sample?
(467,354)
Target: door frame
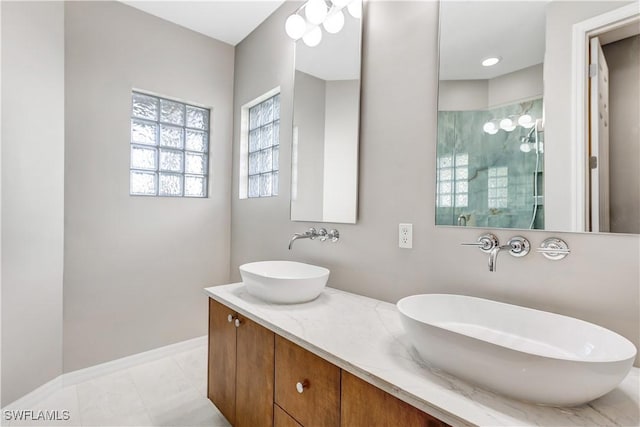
(582,32)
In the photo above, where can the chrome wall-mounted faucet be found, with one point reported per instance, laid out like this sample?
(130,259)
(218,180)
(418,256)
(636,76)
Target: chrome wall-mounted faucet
(322,234)
(311,233)
(487,243)
(518,246)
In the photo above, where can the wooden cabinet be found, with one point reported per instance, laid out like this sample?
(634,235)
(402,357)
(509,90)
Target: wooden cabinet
(307,386)
(282,419)
(221,381)
(364,405)
(241,367)
(259,379)
(254,375)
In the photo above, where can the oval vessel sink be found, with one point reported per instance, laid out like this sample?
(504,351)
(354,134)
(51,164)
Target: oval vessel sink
(527,354)
(284,282)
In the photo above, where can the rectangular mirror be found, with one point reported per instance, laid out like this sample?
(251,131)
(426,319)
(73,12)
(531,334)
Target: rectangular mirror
(513,152)
(326,118)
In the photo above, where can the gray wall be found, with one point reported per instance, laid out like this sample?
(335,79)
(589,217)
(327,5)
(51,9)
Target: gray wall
(32,194)
(598,282)
(135,266)
(623,58)
(462,95)
(520,85)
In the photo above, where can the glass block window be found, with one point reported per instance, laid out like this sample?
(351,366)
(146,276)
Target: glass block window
(498,187)
(453,181)
(169,148)
(264,148)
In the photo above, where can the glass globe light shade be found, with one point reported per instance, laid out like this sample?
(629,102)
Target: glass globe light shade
(334,22)
(526,121)
(313,37)
(507,124)
(355,9)
(295,26)
(490,128)
(525,148)
(315,11)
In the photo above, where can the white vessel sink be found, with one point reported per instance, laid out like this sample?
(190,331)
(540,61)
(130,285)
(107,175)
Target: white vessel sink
(527,354)
(284,282)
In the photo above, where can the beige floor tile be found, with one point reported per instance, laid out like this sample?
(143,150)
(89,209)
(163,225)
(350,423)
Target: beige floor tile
(160,380)
(165,392)
(112,400)
(56,409)
(186,410)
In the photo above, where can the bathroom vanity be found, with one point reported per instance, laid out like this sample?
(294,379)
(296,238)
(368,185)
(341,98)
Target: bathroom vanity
(345,360)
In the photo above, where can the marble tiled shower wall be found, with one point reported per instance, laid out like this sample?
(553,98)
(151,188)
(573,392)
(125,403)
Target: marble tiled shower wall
(460,133)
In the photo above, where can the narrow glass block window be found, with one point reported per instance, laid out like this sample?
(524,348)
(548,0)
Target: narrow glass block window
(498,183)
(169,148)
(453,181)
(264,148)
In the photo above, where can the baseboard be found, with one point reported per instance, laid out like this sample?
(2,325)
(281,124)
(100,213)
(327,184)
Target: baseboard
(31,399)
(34,397)
(81,375)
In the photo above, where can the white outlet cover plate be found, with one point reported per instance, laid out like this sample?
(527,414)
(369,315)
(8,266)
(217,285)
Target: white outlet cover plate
(405,236)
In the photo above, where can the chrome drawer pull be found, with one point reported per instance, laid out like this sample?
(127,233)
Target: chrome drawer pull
(300,386)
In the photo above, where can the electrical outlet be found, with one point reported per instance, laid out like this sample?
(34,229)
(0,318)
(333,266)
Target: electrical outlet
(405,236)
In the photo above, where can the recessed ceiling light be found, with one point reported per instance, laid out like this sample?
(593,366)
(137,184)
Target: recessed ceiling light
(491,61)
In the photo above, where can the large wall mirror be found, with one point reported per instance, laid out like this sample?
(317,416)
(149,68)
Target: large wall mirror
(527,138)
(326,117)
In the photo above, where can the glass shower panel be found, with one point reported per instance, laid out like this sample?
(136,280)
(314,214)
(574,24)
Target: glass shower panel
(490,179)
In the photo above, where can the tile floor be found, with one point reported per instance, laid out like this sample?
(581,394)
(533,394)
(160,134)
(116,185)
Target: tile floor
(165,392)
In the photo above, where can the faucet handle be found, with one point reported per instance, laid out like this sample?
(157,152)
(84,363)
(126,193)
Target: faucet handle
(322,234)
(486,242)
(518,246)
(312,233)
(333,235)
(554,249)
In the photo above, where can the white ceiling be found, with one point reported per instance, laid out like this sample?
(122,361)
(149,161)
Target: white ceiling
(336,58)
(229,21)
(471,31)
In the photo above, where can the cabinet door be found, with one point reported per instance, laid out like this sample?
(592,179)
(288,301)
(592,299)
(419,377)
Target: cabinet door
(282,419)
(364,405)
(254,375)
(316,400)
(221,381)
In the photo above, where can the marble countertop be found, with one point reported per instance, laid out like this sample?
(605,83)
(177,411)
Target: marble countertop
(364,336)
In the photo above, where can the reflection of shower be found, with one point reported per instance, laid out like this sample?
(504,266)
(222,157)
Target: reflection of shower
(534,133)
(530,142)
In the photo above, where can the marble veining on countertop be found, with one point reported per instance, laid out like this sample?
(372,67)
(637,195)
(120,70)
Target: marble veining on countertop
(364,336)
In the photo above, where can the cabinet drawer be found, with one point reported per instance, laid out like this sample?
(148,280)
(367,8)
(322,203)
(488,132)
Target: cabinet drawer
(282,419)
(364,405)
(307,387)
